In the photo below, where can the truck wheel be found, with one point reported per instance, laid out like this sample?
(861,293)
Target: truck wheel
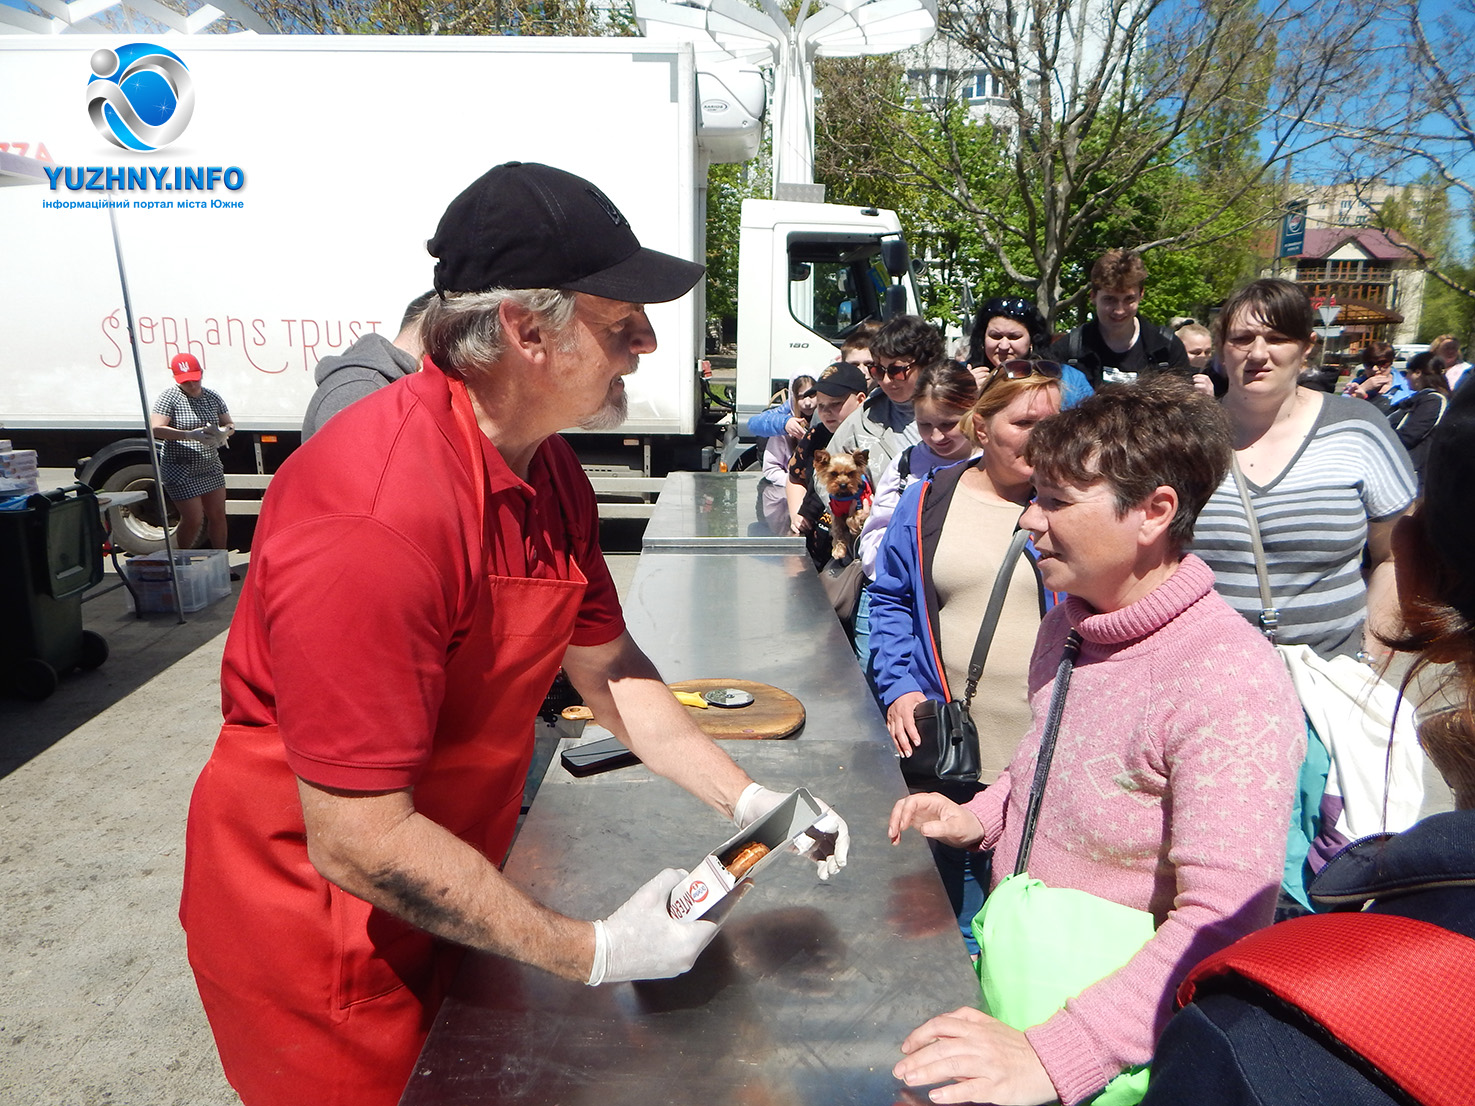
(136,527)
(94,650)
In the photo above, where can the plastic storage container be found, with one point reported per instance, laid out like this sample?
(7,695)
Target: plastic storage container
(204,578)
(50,553)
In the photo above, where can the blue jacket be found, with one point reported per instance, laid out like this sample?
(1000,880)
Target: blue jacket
(904,650)
(770,423)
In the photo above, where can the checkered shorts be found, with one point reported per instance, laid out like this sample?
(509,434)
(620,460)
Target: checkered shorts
(187,483)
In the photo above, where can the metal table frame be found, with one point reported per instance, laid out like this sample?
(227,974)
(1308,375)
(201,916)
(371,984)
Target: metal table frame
(806,995)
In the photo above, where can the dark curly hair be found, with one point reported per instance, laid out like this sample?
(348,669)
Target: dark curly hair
(910,338)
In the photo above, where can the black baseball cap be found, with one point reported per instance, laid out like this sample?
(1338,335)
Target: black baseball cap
(845,380)
(525,225)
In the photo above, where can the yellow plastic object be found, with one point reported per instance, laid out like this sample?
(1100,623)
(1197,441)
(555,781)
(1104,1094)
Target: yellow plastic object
(690,699)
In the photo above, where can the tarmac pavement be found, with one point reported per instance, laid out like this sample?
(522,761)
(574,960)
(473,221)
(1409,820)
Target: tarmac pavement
(97,1004)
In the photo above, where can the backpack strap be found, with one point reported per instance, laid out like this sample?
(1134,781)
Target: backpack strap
(1157,343)
(1392,989)
(1071,345)
(904,464)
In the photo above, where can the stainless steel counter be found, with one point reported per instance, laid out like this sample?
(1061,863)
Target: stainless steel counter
(804,997)
(713,512)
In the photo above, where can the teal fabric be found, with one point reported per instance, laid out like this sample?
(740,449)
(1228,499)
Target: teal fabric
(1043,945)
(1305,817)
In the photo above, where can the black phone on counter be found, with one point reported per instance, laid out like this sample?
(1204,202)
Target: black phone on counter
(593,757)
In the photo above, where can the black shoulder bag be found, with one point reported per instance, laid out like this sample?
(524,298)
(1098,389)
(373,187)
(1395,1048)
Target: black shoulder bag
(949,739)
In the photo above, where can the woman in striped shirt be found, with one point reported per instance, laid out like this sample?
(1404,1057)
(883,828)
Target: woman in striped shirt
(1327,478)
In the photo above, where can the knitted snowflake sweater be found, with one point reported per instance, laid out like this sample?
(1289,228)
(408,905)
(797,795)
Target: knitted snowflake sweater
(1170,791)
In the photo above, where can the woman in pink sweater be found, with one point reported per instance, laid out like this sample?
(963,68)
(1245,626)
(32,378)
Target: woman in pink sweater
(1170,789)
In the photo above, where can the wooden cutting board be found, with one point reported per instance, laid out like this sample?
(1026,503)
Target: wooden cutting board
(772,713)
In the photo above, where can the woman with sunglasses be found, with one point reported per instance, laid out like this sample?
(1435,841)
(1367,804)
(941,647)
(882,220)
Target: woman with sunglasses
(935,568)
(1008,328)
(885,423)
(1379,382)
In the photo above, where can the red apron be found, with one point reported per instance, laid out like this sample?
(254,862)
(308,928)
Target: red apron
(313,995)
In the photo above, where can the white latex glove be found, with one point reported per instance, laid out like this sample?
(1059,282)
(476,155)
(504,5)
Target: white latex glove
(828,841)
(641,940)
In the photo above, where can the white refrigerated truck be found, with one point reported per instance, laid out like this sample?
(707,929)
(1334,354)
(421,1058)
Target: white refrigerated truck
(290,217)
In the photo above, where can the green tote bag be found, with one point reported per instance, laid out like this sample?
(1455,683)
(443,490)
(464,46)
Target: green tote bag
(1039,945)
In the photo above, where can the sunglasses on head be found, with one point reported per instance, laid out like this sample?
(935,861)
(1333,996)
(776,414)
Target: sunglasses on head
(1020,369)
(1008,305)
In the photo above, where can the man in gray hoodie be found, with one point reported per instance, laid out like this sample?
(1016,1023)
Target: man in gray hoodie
(364,367)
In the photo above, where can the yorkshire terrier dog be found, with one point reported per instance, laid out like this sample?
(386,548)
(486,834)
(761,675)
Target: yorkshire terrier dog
(843,476)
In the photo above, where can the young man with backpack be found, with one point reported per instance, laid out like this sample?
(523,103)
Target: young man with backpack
(1116,338)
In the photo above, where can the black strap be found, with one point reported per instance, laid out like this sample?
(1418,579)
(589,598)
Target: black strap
(1157,343)
(1070,346)
(991,613)
(1047,748)
(904,464)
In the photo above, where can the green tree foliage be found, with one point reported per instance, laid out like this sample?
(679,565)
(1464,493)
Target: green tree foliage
(727,187)
(448,17)
(1418,125)
(1151,124)
(1423,217)
(879,143)
(863,113)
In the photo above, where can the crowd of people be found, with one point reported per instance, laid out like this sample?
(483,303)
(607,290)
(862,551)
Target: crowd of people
(1090,543)
(1184,498)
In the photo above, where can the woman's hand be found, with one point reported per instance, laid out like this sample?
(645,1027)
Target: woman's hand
(981,373)
(985,1060)
(938,817)
(796,427)
(901,722)
(1372,386)
(800,525)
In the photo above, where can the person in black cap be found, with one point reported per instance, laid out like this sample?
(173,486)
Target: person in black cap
(842,389)
(398,630)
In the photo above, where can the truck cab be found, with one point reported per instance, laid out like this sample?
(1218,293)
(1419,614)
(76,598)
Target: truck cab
(817,271)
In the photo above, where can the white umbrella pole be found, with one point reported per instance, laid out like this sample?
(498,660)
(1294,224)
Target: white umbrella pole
(148,424)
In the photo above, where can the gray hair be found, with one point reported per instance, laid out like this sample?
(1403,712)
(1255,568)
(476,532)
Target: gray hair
(462,333)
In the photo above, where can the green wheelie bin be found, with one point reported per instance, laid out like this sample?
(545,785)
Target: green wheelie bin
(50,553)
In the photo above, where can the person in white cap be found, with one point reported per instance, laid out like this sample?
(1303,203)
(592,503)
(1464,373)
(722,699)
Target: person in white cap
(397,632)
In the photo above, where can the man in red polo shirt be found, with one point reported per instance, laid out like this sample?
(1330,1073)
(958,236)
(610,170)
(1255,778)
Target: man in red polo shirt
(421,569)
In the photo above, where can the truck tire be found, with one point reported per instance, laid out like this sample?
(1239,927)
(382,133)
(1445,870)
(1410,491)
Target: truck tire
(135,527)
